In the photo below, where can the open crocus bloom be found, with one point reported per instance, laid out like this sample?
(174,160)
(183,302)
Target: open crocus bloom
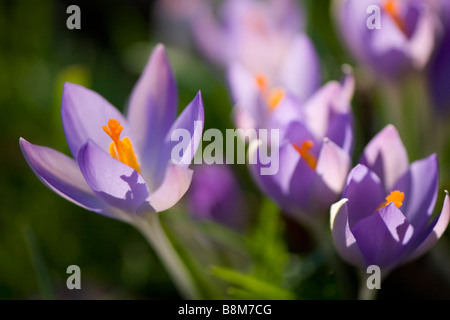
(383,218)
(404,41)
(314,154)
(122,166)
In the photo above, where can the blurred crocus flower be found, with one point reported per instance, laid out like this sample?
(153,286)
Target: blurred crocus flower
(384,216)
(439,67)
(314,155)
(249,31)
(122,166)
(390,37)
(258,91)
(215,195)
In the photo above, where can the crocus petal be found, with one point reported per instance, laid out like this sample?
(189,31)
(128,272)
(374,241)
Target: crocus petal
(62,175)
(84,113)
(383,236)
(364,192)
(153,106)
(209,35)
(116,183)
(244,89)
(175,184)
(343,239)
(340,130)
(191,119)
(300,73)
(386,156)
(288,110)
(332,165)
(420,186)
(423,41)
(317,109)
(275,186)
(434,231)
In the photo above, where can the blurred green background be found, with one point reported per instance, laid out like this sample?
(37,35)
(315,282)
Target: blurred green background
(41,234)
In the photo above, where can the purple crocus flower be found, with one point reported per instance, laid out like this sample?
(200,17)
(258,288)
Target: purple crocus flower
(439,67)
(244,28)
(384,216)
(258,91)
(215,195)
(121,167)
(314,154)
(403,40)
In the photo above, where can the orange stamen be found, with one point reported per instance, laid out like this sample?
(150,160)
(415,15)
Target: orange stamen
(275,97)
(121,150)
(305,152)
(272,97)
(396,197)
(392,8)
(261,82)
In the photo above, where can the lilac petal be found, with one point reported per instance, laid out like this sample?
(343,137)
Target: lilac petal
(364,192)
(243,89)
(115,182)
(289,14)
(433,232)
(423,40)
(275,186)
(317,109)
(176,182)
(306,190)
(386,156)
(340,130)
(439,70)
(343,239)
(383,236)
(243,119)
(333,165)
(190,122)
(420,186)
(153,106)
(288,110)
(297,132)
(62,175)
(300,73)
(209,35)
(84,113)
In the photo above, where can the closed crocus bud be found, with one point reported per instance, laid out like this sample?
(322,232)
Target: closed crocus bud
(384,216)
(390,37)
(215,195)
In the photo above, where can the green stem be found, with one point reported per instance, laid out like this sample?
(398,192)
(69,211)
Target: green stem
(323,241)
(365,293)
(153,232)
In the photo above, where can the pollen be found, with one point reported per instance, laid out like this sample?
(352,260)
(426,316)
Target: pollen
(121,150)
(396,197)
(305,152)
(392,8)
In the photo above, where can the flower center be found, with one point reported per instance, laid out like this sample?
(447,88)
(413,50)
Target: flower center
(393,10)
(121,150)
(273,96)
(396,197)
(305,152)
